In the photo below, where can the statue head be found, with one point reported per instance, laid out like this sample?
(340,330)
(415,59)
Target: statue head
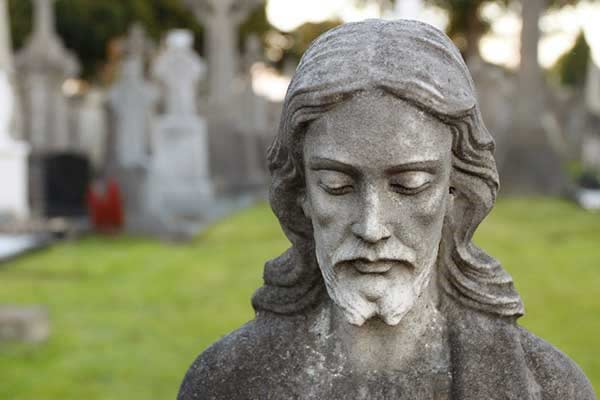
(382,170)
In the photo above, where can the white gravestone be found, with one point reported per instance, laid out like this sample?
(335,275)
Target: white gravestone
(253,124)
(13,154)
(13,159)
(180,187)
(133,100)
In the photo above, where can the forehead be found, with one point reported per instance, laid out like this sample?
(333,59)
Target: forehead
(378,128)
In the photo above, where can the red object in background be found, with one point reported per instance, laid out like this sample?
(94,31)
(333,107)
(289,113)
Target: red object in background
(105,206)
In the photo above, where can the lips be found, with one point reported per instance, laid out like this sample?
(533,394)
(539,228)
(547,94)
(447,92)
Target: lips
(373,267)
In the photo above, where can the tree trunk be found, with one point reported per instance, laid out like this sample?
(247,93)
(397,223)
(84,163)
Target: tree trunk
(473,32)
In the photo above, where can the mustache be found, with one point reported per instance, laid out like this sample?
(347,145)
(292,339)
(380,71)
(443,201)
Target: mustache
(392,252)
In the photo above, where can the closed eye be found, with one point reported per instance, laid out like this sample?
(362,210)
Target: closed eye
(334,182)
(411,182)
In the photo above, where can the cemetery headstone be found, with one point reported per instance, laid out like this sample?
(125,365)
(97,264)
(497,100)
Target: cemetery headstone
(133,101)
(44,65)
(67,177)
(382,170)
(13,153)
(180,188)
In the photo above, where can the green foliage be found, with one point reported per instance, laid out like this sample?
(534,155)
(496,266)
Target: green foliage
(466,27)
(571,67)
(130,315)
(257,24)
(87,26)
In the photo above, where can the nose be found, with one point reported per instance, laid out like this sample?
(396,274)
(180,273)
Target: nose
(370,226)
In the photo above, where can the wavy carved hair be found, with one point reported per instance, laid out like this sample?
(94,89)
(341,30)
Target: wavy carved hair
(419,64)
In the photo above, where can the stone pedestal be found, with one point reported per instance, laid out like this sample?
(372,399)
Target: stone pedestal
(13,175)
(179,185)
(13,158)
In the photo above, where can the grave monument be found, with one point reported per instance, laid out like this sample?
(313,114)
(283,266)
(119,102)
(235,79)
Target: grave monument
(44,65)
(13,153)
(133,101)
(231,149)
(381,172)
(221,20)
(179,189)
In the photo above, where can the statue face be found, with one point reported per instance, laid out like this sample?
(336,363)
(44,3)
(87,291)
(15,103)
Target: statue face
(377,187)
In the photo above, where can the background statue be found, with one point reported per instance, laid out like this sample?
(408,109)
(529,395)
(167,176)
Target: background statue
(382,171)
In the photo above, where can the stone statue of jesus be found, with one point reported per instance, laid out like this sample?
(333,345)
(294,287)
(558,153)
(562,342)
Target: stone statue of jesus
(381,172)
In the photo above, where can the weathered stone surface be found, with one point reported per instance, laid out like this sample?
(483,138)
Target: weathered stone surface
(13,153)
(23,324)
(43,65)
(381,172)
(179,188)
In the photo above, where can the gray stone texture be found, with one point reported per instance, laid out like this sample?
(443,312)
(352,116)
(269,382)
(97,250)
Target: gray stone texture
(43,65)
(382,170)
(23,324)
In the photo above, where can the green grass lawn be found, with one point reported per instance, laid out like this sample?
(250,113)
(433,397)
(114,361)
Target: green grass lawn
(129,315)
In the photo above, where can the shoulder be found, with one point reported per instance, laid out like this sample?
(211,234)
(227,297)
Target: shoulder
(242,364)
(558,376)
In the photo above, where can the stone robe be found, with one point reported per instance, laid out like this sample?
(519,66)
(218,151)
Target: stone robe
(299,357)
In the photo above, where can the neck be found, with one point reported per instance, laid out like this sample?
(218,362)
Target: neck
(421,334)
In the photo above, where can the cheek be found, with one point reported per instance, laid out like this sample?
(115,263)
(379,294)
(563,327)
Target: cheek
(421,220)
(327,211)
(431,210)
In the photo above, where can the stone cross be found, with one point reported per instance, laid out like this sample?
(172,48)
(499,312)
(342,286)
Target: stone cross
(6,106)
(221,20)
(6,70)
(44,65)
(44,20)
(131,100)
(179,69)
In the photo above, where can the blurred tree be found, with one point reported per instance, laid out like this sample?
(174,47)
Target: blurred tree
(88,26)
(571,67)
(257,23)
(302,37)
(466,27)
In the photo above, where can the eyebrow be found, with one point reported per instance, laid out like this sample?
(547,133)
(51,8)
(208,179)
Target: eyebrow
(431,166)
(319,163)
